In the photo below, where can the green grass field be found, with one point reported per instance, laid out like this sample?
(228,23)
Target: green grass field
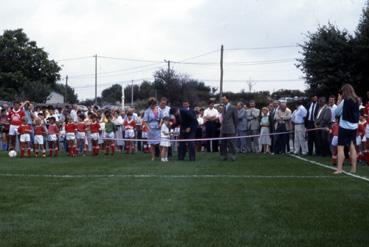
(256,201)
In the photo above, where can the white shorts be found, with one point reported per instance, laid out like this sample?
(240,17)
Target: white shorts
(52,138)
(39,139)
(70,136)
(367,131)
(25,138)
(13,130)
(358,140)
(335,141)
(165,143)
(95,136)
(144,135)
(128,134)
(364,139)
(110,135)
(81,135)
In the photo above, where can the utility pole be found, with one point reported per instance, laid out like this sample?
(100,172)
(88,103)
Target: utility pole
(250,84)
(123,97)
(168,62)
(132,94)
(221,73)
(66,91)
(95,79)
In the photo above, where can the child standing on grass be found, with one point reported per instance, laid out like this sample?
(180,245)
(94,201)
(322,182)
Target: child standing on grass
(4,125)
(129,132)
(95,129)
(70,136)
(109,137)
(40,132)
(25,131)
(52,138)
(164,139)
(334,132)
(361,140)
(81,135)
(265,140)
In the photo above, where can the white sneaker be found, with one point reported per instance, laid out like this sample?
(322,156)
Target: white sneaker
(166,159)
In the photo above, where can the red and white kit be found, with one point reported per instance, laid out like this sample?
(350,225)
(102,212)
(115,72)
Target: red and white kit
(40,131)
(95,129)
(70,131)
(25,133)
(15,119)
(129,128)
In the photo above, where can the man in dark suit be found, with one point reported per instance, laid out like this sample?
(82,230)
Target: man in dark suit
(312,112)
(188,126)
(323,120)
(273,108)
(228,129)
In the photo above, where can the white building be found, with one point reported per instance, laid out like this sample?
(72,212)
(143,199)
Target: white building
(55,98)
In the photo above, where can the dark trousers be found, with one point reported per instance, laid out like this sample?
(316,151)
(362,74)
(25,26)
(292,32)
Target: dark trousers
(211,132)
(282,140)
(228,147)
(139,144)
(322,143)
(183,146)
(311,138)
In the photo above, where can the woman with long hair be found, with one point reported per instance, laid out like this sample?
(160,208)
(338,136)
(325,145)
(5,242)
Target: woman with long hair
(348,110)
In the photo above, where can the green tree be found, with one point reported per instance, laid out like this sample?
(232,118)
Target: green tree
(25,70)
(327,60)
(112,94)
(361,53)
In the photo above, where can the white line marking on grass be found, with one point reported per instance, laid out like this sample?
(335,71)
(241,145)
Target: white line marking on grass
(162,176)
(329,167)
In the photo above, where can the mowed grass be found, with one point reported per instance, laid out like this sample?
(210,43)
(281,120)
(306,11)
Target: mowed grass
(288,203)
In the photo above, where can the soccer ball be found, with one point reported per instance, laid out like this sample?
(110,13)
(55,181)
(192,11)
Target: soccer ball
(12,153)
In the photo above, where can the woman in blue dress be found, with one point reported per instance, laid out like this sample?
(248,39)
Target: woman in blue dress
(152,120)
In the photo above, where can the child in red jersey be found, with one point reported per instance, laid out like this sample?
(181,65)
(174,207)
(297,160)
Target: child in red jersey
(334,132)
(81,135)
(52,138)
(40,131)
(70,136)
(95,130)
(361,139)
(25,131)
(15,116)
(129,132)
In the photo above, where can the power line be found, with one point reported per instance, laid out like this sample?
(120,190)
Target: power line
(255,62)
(115,71)
(131,59)
(73,58)
(262,48)
(201,55)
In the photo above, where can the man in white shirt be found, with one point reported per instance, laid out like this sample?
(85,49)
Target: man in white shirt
(332,105)
(298,119)
(211,119)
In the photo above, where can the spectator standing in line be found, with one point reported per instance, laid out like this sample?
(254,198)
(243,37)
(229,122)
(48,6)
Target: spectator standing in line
(323,120)
(241,127)
(313,109)
(273,108)
(282,119)
(211,119)
(298,120)
(253,127)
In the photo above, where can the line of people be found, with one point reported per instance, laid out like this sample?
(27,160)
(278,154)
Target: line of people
(274,129)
